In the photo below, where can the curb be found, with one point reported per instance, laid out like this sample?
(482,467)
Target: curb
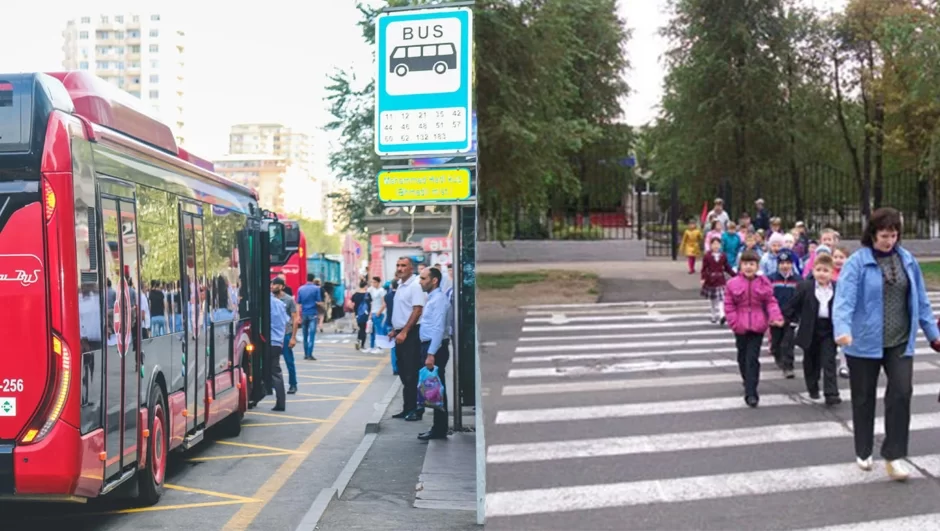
(380,408)
(312,517)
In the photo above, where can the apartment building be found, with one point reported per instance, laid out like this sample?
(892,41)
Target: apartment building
(264,173)
(141,53)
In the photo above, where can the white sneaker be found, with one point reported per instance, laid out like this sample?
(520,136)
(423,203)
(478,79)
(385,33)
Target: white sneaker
(864,464)
(897,470)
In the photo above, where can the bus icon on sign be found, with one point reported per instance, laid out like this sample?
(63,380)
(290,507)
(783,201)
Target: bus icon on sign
(439,58)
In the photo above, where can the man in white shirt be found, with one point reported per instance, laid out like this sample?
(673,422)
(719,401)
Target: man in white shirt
(718,214)
(409,302)
(378,300)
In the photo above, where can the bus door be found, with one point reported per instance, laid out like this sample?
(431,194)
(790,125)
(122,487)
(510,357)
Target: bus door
(122,325)
(194,293)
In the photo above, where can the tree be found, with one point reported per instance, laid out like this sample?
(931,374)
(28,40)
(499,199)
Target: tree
(352,104)
(318,241)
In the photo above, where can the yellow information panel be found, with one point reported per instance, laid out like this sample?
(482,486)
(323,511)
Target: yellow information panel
(418,186)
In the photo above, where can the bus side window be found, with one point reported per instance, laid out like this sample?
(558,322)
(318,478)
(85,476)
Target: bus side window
(414,51)
(429,50)
(445,49)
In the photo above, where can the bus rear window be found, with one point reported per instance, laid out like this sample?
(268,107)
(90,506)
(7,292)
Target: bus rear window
(14,115)
(291,235)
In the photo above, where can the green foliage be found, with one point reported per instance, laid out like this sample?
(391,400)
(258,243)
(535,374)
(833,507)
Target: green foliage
(548,84)
(318,241)
(755,92)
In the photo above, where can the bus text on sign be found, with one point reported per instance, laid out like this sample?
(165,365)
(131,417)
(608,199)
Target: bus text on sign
(424,89)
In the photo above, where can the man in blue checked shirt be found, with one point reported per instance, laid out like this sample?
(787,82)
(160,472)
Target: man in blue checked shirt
(433,331)
(279,322)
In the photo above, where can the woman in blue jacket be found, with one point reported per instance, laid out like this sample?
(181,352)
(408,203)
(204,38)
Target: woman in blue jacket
(880,303)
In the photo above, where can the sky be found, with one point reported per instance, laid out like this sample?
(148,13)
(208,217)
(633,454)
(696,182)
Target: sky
(272,65)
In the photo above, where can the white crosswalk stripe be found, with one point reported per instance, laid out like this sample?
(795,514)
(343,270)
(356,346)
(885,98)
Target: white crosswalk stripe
(636,410)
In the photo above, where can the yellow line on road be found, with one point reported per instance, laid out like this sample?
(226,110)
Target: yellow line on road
(236,456)
(210,493)
(312,395)
(280,416)
(339,366)
(329,379)
(254,446)
(247,514)
(305,400)
(269,424)
(175,507)
(330,368)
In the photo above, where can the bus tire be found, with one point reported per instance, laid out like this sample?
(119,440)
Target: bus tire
(440,67)
(231,426)
(150,479)
(401,70)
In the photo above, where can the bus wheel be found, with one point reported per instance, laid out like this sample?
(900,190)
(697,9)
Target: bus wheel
(231,426)
(150,479)
(440,67)
(401,70)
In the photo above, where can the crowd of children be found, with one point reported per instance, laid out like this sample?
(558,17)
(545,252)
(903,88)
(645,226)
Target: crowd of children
(781,283)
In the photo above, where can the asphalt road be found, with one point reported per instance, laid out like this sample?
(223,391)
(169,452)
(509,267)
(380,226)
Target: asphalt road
(621,417)
(265,479)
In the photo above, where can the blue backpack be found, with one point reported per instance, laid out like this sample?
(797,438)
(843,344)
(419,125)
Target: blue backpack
(363,309)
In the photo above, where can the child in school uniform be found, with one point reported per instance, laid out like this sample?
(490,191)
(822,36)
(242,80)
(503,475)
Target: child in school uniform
(812,307)
(714,268)
(750,308)
(750,244)
(691,245)
(785,282)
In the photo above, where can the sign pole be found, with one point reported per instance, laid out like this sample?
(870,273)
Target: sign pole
(455,349)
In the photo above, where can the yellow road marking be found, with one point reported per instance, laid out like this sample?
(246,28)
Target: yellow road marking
(254,446)
(339,366)
(210,493)
(303,400)
(280,416)
(331,369)
(312,395)
(247,514)
(330,380)
(172,507)
(237,456)
(268,424)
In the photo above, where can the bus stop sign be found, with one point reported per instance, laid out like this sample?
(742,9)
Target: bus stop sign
(423,90)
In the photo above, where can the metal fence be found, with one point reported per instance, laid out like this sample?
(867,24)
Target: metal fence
(826,197)
(822,196)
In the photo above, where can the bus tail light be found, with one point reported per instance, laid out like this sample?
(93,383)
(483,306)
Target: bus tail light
(43,424)
(49,200)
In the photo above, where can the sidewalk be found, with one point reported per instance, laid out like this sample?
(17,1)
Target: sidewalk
(405,484)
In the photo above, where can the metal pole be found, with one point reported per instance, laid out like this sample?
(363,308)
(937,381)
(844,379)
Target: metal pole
(455,254)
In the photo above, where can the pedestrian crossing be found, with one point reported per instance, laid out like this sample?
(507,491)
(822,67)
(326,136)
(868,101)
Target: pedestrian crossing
(631,416)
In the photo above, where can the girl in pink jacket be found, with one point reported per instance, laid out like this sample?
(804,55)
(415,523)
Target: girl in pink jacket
(750,307)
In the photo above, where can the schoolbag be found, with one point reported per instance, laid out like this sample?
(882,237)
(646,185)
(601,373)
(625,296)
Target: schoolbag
(363,309)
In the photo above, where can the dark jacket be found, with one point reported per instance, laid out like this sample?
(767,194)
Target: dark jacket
(804,308)
(784,288)
(762,220)
(713,272)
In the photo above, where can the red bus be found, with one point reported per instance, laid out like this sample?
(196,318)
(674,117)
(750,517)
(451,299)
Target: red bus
(292,263)
(133,287)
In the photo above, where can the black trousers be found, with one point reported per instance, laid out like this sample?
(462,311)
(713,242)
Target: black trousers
(821,358)
(863,378)
(276,376)
(440,361)
(781,346)
(361,322)
(749,360)
(409,363)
